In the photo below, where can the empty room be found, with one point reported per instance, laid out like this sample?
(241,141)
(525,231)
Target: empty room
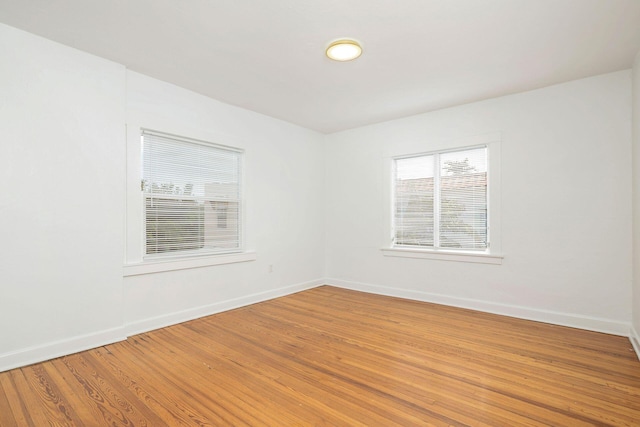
(320,213)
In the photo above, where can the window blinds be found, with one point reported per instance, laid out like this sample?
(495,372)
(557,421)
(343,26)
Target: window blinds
(441,200)
(415,201)
(192,196)
(463,199)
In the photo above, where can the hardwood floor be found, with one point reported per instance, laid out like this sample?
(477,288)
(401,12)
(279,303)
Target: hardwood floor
(331,356)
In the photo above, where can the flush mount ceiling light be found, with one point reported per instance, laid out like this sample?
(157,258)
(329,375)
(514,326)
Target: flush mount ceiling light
(344,50)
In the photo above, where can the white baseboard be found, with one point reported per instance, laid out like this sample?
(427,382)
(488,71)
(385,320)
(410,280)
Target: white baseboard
(634,337)
(147,325)
(557,318)
(59,348)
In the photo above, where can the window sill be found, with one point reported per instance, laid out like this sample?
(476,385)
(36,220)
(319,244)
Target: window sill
(149,267)
(480,258)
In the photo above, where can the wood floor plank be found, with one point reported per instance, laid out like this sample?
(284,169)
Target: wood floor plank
(164,398)
(628,416)
(19,415)
(167,379)
(11,420)
(335,357)
(367,365)
(169,409)
(104,397)
(303,383)
(260,376)
(57,408)
(37,406)
(242,402)
(454,324)
(65,385)
(498,376)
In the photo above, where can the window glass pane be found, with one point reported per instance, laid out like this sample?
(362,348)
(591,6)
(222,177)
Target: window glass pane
(192,196)
(414,196)
(463,199)
(179,167)
(174,225)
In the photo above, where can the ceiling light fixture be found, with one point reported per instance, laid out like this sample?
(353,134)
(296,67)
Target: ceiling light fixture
(344,50)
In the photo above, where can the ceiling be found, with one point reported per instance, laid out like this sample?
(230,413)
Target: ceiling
(419,55)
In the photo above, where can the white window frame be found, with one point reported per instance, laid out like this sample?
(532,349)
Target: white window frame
(135,260)
(201,251)
(492,255)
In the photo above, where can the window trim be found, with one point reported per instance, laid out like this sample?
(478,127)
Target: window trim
(158,266)
(135,260)
(491,255)
(443,255)
(437,200)
(202,252)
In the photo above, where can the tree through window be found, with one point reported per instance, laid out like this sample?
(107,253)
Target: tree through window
(440,200)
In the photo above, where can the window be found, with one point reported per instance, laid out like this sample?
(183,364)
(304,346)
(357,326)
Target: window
(192,196)
(440,200)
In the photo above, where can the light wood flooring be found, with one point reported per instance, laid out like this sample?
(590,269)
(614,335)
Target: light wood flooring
(334,357)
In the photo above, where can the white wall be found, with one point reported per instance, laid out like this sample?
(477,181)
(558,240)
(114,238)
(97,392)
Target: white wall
(566,210)
(635,331)
(566,205)
(63,163)
(284,167)
(61,166)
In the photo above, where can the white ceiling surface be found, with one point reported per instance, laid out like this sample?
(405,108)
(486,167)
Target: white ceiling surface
(419,55)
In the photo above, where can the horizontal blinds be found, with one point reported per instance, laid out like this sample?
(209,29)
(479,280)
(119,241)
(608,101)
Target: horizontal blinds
(192,196)
(463,199)
(440,200)
(414,201)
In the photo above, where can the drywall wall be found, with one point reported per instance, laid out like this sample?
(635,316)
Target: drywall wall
(62,165)
(565,210)
(284,180)
(635,123)
(65,217)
